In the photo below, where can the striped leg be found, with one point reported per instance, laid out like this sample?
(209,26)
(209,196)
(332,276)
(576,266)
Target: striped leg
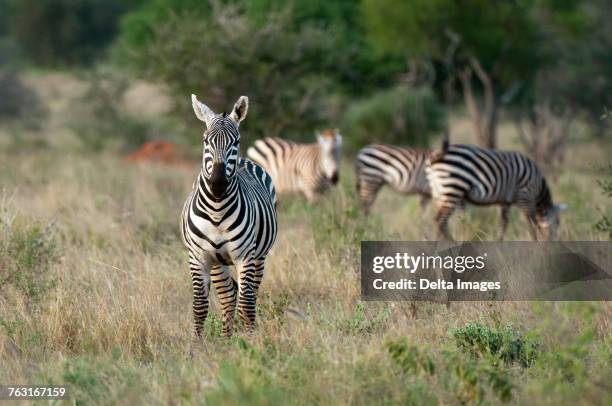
(258,275)
(503,221)
(247,293)
(367,189)
(444,211)
(530,215)
(227,289)
(200,280)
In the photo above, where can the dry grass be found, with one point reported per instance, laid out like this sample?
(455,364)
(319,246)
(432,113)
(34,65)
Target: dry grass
(114,322)
(116,325)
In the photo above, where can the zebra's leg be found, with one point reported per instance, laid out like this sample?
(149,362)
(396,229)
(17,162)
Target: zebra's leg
(424,202)
(246,292)
(530,215)
(200,281)
(227,289)
(368,190)
(258,273)
(503,220)
(441,220)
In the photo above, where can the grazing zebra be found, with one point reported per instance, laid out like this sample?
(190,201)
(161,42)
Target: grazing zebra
(229,218)
(467,173)
(401,168)
(308,168)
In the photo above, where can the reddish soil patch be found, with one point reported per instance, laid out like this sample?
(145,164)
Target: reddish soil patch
(165,152)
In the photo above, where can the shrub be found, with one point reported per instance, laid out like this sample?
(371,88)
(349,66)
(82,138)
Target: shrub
(359,323)
(410,359)
(65,32)
(401,115)
(221,53)
(464,380)
(508,344)
(26,256)
(17,101)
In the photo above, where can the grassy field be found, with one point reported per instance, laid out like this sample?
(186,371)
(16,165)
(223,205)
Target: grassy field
(98,297)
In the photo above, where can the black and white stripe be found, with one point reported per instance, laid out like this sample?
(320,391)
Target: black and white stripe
(229,218)
(467,173)
(402,168)
(311,169)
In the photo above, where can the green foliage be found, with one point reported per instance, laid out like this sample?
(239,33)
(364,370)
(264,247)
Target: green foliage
(397,116)
(410,359)
(499,34)
(470,379)
(464,380)
(225,54)
(507,344)
(250,381)
(26,256)
(65,32)
(360,323)
(91,381)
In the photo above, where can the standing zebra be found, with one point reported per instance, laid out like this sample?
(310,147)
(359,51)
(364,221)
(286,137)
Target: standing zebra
(401,168)
(467,173)
(229,218)
(308,168)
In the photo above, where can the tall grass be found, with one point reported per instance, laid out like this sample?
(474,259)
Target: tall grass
(102,301)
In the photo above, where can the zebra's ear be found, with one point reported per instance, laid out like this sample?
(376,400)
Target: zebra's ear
(240,109)
(202,112)
(338,137)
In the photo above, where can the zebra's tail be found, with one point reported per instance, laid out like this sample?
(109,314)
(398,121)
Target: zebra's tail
(437,154)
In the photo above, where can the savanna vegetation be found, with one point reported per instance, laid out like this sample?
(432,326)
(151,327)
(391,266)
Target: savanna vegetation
(94,287)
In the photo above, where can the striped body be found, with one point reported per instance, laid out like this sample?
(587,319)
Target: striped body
(467,173)
(229,218)
(402,168)
(242,224)
(311,169)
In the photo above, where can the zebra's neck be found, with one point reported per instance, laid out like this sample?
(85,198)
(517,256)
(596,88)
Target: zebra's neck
(211,205)
(544,203)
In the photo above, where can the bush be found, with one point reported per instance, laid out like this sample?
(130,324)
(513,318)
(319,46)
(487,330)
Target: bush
(478,340)
(26,256)
(464,380)
(401,115)
(17,101)
(65,32)
(222,53)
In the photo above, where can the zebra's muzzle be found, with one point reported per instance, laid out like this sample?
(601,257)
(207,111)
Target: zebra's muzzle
(218,180)
(334,178)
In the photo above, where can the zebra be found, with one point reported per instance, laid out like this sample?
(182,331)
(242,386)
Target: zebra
(467,173)
(311,169)
(402,168)
(229,218)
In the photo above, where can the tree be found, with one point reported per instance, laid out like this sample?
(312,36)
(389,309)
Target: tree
(64,32)
(487,46)
(221,52)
